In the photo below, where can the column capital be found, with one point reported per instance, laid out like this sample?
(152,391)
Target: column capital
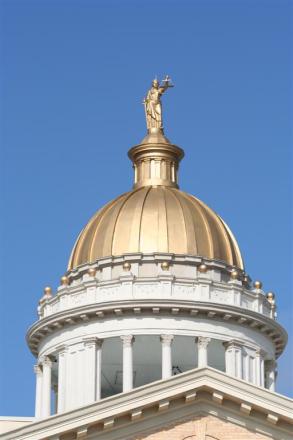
(166,339)
(92,341)
(233,343)
(46,361)
(38,369)
(259,352)
(127,340)
(202,341)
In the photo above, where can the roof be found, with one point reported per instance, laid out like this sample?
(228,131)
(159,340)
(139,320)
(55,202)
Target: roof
(156,219)
(197,391)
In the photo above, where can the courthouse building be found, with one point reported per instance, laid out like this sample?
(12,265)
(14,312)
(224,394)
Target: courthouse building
(156,331)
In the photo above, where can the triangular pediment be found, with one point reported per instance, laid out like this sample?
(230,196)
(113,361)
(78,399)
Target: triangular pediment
(199,404)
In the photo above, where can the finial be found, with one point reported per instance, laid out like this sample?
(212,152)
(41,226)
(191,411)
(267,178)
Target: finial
(64,280)
(257,284)
(165,265)
(153,106)
(126,266)
(47,292)
(234,274)
(92,272)
(202,268)
(270,296)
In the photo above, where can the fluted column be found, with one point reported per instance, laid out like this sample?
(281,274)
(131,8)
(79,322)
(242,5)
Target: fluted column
(92,369)
(62,360)
(259,368)
(202,351)
(38,401)
(46,388)
(233,358)
(270,372)
(166,341)
(127,362)
(90,384)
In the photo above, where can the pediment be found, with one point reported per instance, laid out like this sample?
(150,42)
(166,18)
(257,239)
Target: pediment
(201,404)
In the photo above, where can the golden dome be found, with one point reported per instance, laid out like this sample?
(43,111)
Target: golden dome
(156,219)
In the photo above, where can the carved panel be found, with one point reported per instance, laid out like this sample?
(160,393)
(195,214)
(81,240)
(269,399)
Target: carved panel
(219,296)
(247,303)
(54,308)
(78,298)
(180,290)
(107,292)
(141,290)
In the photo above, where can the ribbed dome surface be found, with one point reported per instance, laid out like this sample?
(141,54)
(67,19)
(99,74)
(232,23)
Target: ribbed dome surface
(156,219)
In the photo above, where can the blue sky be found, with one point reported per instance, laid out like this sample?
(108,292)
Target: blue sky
(74,78)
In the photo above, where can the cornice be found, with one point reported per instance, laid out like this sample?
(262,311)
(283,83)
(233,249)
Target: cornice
(110,310)
(194,390)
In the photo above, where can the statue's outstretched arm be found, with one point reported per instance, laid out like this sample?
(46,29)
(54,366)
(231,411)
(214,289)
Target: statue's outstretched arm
(162,89)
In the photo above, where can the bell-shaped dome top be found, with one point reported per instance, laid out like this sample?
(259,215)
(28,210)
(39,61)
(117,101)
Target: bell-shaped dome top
(156,216)
(156,219)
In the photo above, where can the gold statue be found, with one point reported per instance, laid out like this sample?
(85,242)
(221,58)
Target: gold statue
(152,103)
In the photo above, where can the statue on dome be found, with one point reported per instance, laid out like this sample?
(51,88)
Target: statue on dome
(152,103)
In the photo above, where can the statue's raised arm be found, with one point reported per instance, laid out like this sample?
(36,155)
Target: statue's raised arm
(153,105)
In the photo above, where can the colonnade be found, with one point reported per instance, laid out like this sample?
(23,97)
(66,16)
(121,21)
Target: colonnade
(240,361)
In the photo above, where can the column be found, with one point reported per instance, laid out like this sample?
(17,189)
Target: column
(233,358)
(202,351)
(245,365)
(38,402)
(262,371)
(99,343)
(259,368)
(166,341)
(62,358)
(46,388)
(270,368)
(127,362)
(92,369)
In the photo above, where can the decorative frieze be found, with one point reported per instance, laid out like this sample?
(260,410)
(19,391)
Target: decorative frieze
(189,290)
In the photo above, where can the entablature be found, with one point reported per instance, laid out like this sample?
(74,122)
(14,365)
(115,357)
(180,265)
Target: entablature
(164,308)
